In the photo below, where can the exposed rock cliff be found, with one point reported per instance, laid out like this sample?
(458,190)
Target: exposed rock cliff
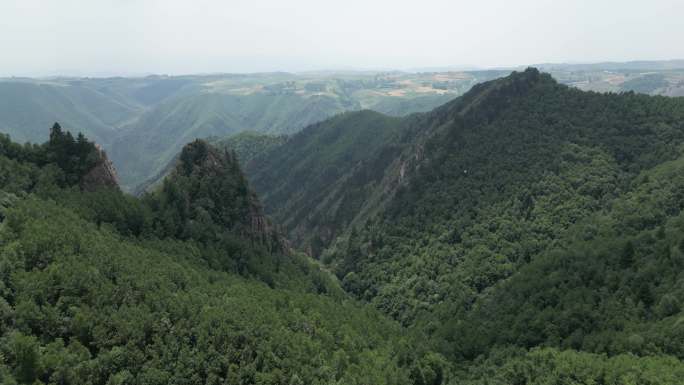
(208,183)
(102,175)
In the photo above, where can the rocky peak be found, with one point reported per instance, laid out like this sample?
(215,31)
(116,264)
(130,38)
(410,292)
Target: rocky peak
(103,174)
(213,182)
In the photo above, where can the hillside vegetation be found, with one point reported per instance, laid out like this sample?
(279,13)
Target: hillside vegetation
(189,285)
(526,233)
(249,144)
(523,214)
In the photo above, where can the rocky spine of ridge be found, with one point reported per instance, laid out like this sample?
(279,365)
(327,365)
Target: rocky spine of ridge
(216,176)
(481,103)
(103,174)
(318,208)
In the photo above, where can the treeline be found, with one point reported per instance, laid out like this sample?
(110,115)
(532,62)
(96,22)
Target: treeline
(70,159)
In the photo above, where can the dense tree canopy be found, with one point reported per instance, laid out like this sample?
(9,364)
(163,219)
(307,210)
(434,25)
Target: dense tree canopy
(523,214)
(189,285)
(68,160)
(525,233)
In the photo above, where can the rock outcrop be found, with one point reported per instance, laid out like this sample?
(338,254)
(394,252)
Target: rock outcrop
(103,174)
(211,183)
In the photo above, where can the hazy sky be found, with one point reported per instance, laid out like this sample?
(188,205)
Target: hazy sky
(104,37)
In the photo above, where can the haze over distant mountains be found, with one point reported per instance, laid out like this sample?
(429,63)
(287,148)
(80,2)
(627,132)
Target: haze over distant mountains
(143,122)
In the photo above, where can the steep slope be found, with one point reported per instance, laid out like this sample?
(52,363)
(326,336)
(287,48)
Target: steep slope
(207,197)
(613,283)
(62,161)
(316,182)
(514,164)
(243,146)
(487,197)
(524,213)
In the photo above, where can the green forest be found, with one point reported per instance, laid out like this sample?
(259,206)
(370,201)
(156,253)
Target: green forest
(525,233)
(188,285)
(523,215)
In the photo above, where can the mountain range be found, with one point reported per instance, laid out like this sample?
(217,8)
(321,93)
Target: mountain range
(523,214)
(526,232)
(143,122)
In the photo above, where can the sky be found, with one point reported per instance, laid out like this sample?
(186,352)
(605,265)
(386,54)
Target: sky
(137,37)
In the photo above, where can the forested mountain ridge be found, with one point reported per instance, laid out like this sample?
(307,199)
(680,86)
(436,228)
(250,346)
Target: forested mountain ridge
(528,214)
(508,145)
(242,146)
(62,161)
(524,233)
(349,165)
(207,192)
(187,285)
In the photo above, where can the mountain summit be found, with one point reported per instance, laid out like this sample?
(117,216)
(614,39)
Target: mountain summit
(213,184)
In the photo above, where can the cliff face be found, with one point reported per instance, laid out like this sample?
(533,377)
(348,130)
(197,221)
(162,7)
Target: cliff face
(209,187)
(103,174)
(263,230)
(336,174)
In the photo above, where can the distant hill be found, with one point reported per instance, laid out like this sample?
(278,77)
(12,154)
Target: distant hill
(143,122)
(28,107)
(146,145)
(244,146)
(638,65)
